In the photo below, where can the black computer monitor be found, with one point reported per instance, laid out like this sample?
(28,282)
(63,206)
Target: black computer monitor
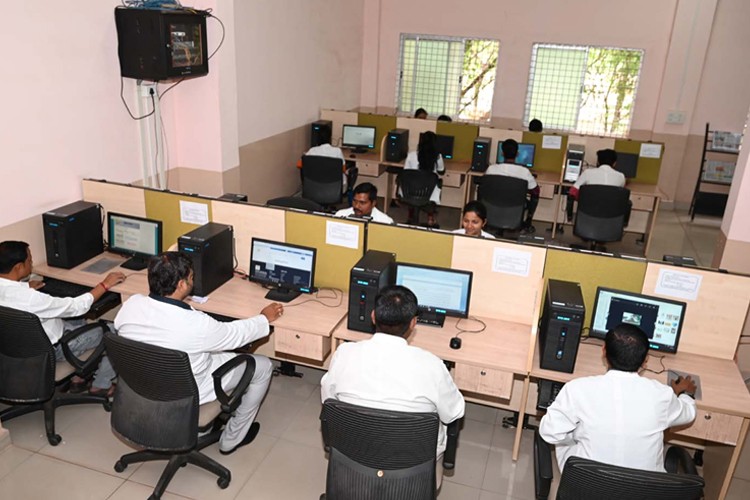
(627,163)
(137,237)
(661,319)
(444,146)
(288,269)
(440,291)
(358,137)
(525,156)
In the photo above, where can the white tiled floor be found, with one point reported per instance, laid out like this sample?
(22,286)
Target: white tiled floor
(287,461)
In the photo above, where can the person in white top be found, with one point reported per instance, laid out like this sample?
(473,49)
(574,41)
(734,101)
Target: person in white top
(329,151)
(603,174)
(163,319)
(474,219)
(427,158)
(385,372)
(364,204)
(15,265)
(510,169)
(618,418)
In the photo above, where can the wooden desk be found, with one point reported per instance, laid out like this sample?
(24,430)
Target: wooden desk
(723,415)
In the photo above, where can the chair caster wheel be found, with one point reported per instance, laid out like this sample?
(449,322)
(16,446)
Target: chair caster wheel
(107,406)
(54,439)
(119,466)
(223,482)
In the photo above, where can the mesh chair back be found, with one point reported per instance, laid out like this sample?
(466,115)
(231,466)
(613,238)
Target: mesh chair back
(601,213)
(27,358)
(295,202)
(505,199)
(416,186)
(379,454)
(156,403)
(584,479)
(322,180)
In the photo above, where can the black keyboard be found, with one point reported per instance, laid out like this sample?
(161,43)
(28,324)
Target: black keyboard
(431,318)
(60,288)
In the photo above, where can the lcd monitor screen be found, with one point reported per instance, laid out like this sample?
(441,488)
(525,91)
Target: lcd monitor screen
(132,235)
(355,136)
(525,155)
(282,265)
(446,291)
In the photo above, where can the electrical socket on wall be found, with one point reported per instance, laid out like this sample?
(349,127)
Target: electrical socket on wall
(676,117)
(145,89)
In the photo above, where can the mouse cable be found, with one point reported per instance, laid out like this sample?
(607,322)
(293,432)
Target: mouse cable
(338,294)
(661,362)
(472,318)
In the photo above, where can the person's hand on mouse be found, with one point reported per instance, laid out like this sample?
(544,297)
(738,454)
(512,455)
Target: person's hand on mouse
(683,384)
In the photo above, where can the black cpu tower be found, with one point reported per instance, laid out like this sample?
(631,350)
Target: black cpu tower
(397,145)
(480,156)
(560,326)
(320,132)
(73,234)
(210,247)
(368,276)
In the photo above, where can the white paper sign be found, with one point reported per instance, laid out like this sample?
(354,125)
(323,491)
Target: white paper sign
(193,213)
(552,142)
(342,235)
(678,284)
(512,262)
(650,150)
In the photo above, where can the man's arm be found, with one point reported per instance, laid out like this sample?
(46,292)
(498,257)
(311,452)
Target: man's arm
(558,424)
(451,404)
(681,409)
(221,336)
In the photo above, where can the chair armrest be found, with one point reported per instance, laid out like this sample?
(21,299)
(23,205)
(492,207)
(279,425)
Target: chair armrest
(449,457)
(679,461)
(230,402)
(542,467)
(83,366)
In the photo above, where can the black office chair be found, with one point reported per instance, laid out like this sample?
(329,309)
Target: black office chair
(322,180)
(415,189)
(295,202)
(156,407)
(505,199)
(31,379)
(584,479)
(380,454)
(602,213)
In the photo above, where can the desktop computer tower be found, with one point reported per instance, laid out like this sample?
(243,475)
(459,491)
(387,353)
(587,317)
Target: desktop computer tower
(397,145)
(480,156)
(210,247)
(73,234)
(560,326)
(319,131)
(368,276)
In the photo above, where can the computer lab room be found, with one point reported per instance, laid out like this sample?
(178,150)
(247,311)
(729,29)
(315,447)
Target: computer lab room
(378,249)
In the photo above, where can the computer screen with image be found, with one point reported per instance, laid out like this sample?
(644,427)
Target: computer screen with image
(358,137)
(446,292)
(525,156)
(137,237)
(288,269)
(661,319)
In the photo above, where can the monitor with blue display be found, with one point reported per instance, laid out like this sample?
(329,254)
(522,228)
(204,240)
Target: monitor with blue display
(288,269)
(525,155)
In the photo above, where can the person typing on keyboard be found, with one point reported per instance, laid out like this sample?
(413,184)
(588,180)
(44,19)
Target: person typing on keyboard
(15,265)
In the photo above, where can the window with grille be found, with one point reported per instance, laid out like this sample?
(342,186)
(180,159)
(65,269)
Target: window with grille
(447,76)
(588,90)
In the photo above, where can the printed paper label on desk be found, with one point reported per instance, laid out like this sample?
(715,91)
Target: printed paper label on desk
(511,262)
(551,142)
(678,284)
(342,234)
(193,213)
(650,151)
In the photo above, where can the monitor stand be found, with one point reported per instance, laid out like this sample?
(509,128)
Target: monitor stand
(282,295)
(135,263)
(360,151)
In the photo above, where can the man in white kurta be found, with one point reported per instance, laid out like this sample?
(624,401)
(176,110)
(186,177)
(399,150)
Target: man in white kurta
(509,169)
(163,319)
(604,174)
(618,418)
(364,204)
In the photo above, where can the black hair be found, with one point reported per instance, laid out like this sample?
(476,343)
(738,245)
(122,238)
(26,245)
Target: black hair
(535,125)
(166,270)
(325,135)
(11,253)
(395,306)
(606,157)
(419,111)
(427,151)
(444,118)
(477,207)
(627,347)
(510,149)
(368,188)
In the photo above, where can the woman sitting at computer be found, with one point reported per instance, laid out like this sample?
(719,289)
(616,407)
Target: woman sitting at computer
(427,158)
(473,220)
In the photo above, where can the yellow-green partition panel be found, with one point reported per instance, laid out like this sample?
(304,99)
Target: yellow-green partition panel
(165,207)
(463,138)
(412,245)
(592,271)
(333,262)
(547,160)
(648,168)
(382,123)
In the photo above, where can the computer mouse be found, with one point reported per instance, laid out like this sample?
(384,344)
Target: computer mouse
(455,343)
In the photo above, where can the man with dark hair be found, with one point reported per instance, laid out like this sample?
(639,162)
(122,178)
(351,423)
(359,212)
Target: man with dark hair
(386,372)
(420,113)
(603,174)
(618,418)
(164,319)
(535,125)
(510,169)
(364,204)
(17,293)
(444,118)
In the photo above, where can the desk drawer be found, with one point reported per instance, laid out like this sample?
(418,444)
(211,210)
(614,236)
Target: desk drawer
(301,344)
(715,427)
(546,191)
(370,168)
(641,202)
(487,381)
(452,179)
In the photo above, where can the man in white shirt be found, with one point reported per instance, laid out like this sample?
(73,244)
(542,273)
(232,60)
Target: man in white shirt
(618,418)
(15,265)
(326,149)
(163,319)
(364,204)
(385,372)
(510,169)
(603,174)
